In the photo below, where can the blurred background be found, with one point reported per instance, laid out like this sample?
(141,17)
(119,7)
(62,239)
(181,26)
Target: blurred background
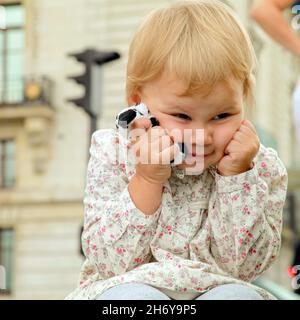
(45,130)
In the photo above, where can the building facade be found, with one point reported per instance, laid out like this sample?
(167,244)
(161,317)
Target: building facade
(44,140)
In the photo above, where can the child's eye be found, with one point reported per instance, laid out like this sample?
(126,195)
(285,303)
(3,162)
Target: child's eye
(221,116)
(182,116)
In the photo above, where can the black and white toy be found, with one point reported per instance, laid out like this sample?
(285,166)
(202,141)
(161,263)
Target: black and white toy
(127,116)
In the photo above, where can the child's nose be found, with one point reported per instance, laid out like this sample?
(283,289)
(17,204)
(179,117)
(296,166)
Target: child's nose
(202,137)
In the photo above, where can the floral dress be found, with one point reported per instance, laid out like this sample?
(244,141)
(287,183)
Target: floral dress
(209,229)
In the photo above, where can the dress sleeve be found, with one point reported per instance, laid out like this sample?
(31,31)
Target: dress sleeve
(116,235)
(245,217)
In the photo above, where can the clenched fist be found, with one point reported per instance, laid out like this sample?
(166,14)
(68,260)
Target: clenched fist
(240,151)
(153,149)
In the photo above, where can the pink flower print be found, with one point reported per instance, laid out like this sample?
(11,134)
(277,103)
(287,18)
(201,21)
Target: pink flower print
(120,250)
(112,236)
(224,260)
(111,274)
(117,216)
(244,255)
(241,240)
(263,165)
(257,266)
(194,280)
(102,266)
(251,251)
(151,273)
(122,165)
(122,264)
(242,229)
(102,230)
(89,272)
(169,228)
(160,234)
(94,247)
(267,174)
(246,210)
(138,260)
(169,256)
(169,281)
(246,187)
(140,227)
(186,247)
(234,198)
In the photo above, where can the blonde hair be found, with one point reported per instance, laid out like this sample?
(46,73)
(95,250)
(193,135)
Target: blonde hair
(202,42)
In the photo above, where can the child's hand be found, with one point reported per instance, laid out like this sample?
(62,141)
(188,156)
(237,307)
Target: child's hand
(240,151)
(152,156)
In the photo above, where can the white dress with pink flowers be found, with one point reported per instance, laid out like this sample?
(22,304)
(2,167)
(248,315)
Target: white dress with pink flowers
(209,229)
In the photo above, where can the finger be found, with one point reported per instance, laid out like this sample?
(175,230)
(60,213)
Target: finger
(157,132)
(141,123)
(138,128)
(247,131)
(248,124)
(233,146)
(155,146)
(149,141)
(240,136)
(163,142)
(169,154)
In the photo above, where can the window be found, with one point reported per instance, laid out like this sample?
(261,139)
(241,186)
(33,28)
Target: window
(6,257)
(11,53)
(7,163)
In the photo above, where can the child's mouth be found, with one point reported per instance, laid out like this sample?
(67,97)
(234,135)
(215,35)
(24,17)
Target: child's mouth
(195,155)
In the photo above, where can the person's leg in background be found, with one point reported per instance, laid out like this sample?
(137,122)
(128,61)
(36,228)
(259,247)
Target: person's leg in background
(230,291)
(132,291)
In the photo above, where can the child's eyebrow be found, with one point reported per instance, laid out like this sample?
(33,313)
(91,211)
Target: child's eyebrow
(227,108)
(222,108)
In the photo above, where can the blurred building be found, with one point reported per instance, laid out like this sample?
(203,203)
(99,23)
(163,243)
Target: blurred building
(44,140)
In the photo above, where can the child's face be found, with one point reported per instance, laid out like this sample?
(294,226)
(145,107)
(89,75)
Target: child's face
(219,113)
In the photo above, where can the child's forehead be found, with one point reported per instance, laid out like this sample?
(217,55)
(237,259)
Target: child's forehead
(170,88)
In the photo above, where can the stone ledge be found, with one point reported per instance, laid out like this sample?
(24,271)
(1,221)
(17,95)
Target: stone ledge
(19,112)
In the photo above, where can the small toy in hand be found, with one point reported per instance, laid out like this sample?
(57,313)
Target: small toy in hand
(127,116)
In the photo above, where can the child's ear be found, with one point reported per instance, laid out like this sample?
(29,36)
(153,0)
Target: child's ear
(134,99)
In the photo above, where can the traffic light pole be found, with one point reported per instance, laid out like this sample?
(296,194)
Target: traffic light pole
(90,102)
(93,127)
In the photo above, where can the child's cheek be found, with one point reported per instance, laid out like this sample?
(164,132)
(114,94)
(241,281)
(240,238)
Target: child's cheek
(222,137)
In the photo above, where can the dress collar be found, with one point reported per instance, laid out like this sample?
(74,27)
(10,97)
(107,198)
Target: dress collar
(180,173)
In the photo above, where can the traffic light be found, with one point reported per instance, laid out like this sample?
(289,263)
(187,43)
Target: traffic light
(91,58)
